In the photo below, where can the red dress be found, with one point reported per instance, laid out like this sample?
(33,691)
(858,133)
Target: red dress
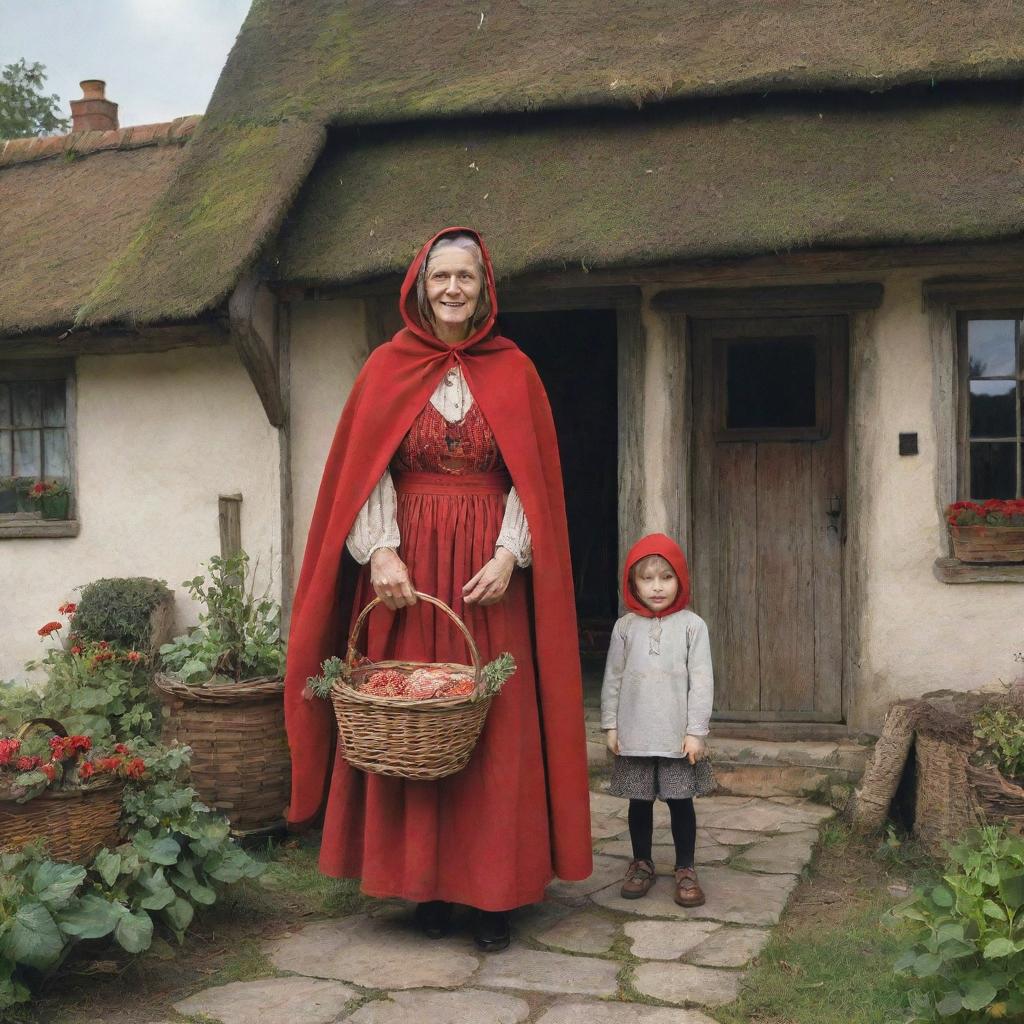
(479,837)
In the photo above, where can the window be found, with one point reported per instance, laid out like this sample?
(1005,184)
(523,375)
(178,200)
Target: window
(36,413)
(991,374)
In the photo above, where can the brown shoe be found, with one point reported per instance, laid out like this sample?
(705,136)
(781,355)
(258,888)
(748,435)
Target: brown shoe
(639,878)
(688,890)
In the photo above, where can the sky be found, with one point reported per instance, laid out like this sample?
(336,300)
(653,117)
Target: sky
(159,58)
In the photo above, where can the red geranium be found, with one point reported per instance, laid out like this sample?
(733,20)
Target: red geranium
(65,747)
(68,608)
(49,628)
(133,656)
(49,770)
(8,748)
(135,768)
(76,649)
(29,763)
(86,770)
(121,748)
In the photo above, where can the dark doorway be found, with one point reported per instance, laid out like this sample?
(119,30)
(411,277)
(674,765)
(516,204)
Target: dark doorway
(575,354)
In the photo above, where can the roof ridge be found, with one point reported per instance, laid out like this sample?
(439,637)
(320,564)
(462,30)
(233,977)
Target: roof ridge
(79,144)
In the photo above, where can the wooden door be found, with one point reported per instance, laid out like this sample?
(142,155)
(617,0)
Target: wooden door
(769,494)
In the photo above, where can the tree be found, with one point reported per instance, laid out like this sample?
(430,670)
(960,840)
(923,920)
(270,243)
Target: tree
(24,110)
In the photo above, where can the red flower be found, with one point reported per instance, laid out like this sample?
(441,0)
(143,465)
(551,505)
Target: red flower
(8,748)
(122,749)
(76,649)
(135,768)
(102,656)
(50,771)
(68,608)
(27,764)
(103,645)
(38,489)
(49,628)
(65,747)
(87,770)
(133,656)
(108,764)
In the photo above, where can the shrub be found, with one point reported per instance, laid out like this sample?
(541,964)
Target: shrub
(119,610)
(1001,731)
(967,957)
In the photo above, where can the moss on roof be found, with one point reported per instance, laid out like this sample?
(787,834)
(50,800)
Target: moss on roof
(664,186)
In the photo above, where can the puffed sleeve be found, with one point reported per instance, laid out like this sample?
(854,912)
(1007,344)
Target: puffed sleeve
(701,695)
(376,525)
(515,531)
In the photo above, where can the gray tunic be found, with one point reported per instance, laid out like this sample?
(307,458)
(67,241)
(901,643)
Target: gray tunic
(658,686)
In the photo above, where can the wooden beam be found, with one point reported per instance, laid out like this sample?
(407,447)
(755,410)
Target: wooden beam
(785,300)
(252,314)
(229,520)
(976,293)
(950,570)
(113,341)
(284,440)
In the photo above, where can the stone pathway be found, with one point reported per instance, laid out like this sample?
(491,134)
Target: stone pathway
(584,956)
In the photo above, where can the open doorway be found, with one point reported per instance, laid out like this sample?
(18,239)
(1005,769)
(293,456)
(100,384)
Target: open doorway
(575,354)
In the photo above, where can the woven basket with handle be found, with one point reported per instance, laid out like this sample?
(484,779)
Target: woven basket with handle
(409,739)
(75,824)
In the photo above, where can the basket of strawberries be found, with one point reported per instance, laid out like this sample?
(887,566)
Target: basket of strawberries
(411,720)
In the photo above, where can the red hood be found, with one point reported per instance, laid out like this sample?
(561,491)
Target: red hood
(407,301)
(657,544)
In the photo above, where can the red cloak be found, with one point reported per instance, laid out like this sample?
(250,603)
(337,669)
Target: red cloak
(392,388)
(657,544)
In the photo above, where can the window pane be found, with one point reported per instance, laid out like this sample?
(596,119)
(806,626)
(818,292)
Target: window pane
(5,453)
(5,405)
(26,453)
(770,383)
(991,348)
(53,404)
(55,454)
(27,405)
(993,470)
(993,408)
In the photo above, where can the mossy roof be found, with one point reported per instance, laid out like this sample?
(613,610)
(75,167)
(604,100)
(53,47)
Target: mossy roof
(69,205)
(665,186)
(300,66)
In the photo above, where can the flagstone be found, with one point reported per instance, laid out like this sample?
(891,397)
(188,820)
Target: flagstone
(728,836)
(684,983)
(730,947)
(619,1013)
(606,870)
(732,897)
(606,826)
(665,853)
(765,816)
(582,932)
(784,854)
(467,1006)
(603,803)
(384,953)
(270,1000)
(531,970)
(667,940)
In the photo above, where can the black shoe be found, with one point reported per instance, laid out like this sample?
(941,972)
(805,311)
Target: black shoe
(490,931)
(433,918)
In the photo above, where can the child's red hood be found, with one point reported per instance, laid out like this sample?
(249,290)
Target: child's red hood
(657,544)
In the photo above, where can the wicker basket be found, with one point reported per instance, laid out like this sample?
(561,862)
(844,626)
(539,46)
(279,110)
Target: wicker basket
(408,739)
(988,543)
(74,823)
(240,761)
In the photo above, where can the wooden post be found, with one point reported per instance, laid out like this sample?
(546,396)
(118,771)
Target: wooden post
(229,516)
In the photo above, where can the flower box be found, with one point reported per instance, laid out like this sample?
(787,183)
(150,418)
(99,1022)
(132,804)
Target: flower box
(986,532)
(51,498)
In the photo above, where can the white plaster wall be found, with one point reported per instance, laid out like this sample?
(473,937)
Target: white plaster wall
(328,348)
(159,438)
(916,634)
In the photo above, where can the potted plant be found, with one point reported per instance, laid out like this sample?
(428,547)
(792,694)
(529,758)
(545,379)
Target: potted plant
(22,486)
(989,531)
(223,694)
(51,497)
(8,495)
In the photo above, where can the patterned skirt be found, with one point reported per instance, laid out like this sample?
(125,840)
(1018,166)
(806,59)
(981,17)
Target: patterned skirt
(661,778)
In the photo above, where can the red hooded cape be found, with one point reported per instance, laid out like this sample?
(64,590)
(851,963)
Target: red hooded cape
(400,376)
(657,544)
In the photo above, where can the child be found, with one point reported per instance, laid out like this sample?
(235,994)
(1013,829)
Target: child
(655,707)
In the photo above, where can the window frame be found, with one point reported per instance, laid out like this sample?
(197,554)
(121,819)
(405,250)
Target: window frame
(963,390)
(27,524)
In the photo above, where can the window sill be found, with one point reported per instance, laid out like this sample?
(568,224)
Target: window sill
(18,529)
(951,570)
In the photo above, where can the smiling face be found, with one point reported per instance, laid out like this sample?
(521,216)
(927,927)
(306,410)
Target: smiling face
(453,286)
(655,583)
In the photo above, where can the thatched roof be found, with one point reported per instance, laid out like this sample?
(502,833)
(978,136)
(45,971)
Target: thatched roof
(662,186)
(69,208)
(300,65)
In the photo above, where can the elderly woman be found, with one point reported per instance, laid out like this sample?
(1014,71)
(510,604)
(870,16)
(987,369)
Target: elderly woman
(444,477)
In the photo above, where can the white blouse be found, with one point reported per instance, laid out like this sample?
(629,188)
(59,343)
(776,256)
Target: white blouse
(376,525)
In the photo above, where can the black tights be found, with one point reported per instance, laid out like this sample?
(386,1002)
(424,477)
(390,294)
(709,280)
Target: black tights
(684,829)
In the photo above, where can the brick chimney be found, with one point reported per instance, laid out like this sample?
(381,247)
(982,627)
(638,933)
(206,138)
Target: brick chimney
(93,112)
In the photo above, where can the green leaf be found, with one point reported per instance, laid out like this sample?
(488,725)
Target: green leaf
(91,917)
(108,866)
(926,965)
(178,914)
(992,909)
(163,849)
(905,961)
(34,938)
(88,697)
(950,930)
(941,896)
(1011,890)
(54,884)
(949,1005)
(979,994)
(955,949)
(134,931)
(999,947)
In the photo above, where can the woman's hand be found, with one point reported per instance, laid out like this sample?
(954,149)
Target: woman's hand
(611,738)
(389,578)
(488,586)
(694,748)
